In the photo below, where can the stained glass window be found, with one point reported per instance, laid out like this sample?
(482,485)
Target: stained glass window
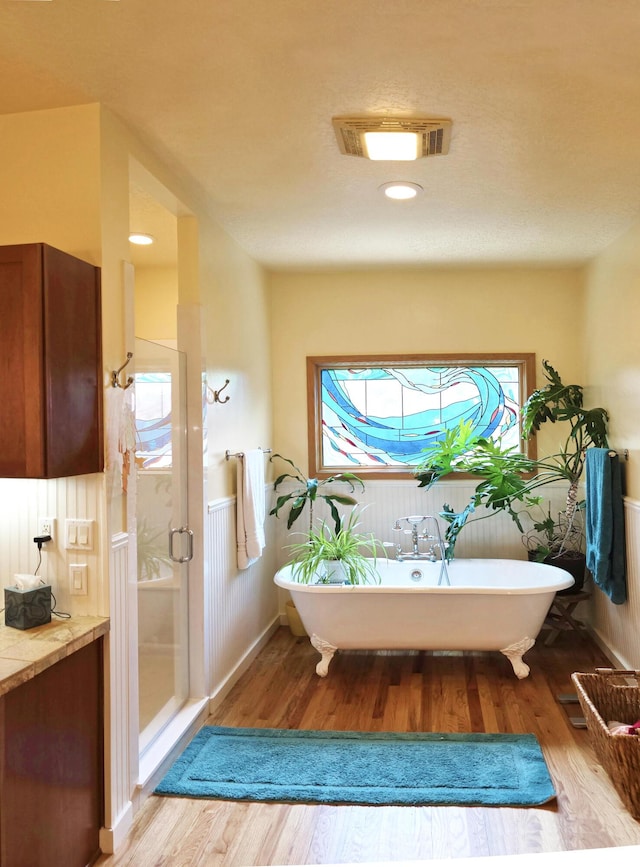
(153,419)
(377,415)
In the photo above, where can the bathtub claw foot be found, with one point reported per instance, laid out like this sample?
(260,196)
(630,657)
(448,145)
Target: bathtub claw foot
(514,654)
(327,652)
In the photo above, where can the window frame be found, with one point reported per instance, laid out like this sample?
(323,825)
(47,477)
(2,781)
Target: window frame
(525,361)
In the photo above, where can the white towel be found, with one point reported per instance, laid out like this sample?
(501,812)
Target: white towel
(251,506)
(120,438)
(114,404)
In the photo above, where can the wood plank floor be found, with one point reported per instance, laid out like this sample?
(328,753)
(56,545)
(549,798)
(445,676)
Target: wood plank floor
(448,692)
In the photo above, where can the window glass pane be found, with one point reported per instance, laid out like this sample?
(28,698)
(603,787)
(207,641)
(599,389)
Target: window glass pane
(377,416)
(153,419)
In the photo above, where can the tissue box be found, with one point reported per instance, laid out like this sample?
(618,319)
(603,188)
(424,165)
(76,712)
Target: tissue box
(26,608)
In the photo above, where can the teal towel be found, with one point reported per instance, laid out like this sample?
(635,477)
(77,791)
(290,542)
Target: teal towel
(605,523)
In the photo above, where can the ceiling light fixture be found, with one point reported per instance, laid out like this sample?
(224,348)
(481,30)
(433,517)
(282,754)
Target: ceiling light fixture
(392,145)
(141,238)
(392,138)
(401,190)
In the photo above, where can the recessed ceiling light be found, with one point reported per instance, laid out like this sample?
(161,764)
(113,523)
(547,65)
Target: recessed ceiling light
(401,190)
(141,238)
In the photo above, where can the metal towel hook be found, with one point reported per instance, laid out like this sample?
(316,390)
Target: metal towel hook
(115,382)
(214,396)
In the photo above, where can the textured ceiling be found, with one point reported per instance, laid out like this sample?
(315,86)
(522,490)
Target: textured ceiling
(544,165)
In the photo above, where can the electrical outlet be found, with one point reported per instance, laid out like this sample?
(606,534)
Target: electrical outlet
(46,527)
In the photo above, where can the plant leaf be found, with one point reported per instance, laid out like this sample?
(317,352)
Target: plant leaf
(334,514)
(284,498)
(312,489)
(343,499)
(296,510)
(299,475)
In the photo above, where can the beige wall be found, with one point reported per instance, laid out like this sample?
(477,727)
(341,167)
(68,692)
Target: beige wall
(238,349)
(215,273)
(65,178)
(50,179)
(612,362)
(114,212)
(155,303)
(466,310)
(612,345)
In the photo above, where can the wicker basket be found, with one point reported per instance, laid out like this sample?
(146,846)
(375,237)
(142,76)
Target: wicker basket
(604,696)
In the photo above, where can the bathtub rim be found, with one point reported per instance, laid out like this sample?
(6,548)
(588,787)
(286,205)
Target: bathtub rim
(561,583)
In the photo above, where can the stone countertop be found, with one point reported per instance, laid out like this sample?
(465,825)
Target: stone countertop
(24,653)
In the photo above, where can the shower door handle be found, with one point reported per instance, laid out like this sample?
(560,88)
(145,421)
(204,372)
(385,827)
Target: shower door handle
(189,554)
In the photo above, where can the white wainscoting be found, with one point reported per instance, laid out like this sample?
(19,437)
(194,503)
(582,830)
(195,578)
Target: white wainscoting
(121,764)
(618,626)
(22,503)
(386,500)
(242,604)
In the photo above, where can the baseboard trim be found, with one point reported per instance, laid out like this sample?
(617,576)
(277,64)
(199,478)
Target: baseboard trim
(617,661)
(222,690)
(111,839)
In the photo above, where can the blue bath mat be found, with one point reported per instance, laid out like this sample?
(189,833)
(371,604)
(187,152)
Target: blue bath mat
(327,767)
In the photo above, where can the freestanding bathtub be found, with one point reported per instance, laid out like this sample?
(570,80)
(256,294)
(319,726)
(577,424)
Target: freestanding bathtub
(488,605)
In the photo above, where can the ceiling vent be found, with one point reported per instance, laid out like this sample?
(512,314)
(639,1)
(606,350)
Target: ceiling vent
(432,137)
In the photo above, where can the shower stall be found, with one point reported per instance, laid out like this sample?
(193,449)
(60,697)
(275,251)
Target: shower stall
(164,540)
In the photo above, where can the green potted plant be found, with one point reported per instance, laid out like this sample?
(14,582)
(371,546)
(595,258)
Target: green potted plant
(504,473)
(339,555)
(561,540)
(508,479)
(556,541)
(306,492)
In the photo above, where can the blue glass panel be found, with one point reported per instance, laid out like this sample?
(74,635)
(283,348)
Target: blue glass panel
(387,416)
(153,419)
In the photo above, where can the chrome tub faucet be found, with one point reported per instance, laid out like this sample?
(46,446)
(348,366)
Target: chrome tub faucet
(423,528)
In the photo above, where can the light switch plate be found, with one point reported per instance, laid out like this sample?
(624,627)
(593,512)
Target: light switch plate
(78,534)
(78,579)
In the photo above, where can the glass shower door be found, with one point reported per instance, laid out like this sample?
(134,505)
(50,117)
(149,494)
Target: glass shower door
(163,536)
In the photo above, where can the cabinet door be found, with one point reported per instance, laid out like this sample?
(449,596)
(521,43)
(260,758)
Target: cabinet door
(21,372)
(50,364)
(72,365)
(51,759)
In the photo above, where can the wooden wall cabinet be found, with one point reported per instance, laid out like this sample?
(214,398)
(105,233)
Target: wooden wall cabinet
(50,364)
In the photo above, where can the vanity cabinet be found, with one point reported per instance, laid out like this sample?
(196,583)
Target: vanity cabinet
(51,772)
(50,364)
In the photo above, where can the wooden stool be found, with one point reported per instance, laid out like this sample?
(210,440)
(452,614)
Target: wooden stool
(560,614)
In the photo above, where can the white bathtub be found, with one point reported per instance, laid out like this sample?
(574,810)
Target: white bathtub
(489,605)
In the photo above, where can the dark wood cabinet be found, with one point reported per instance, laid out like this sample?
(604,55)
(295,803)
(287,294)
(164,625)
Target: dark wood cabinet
(50,364)
(51,754)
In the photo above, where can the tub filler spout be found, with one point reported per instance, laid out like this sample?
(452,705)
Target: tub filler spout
(430,534)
